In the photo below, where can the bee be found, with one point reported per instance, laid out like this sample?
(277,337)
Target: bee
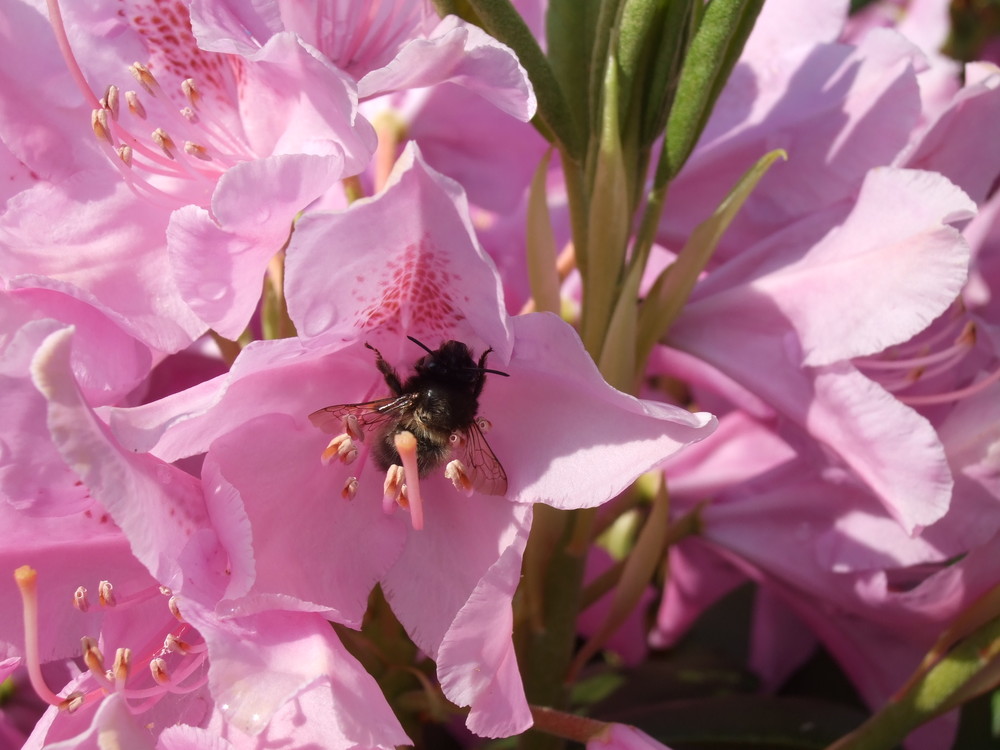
(438,404)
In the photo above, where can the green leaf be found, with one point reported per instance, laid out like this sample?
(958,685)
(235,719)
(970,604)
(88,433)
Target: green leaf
(714,50)
(672,287)
(502,21)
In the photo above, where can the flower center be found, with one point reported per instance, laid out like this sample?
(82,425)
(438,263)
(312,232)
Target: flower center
(177,664)
(170,145)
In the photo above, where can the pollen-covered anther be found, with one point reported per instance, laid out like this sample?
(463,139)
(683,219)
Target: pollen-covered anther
(196,150)
(176,645)
(111,102)
(484,424)
(350,488)
(353,428)
(175,610)
(120,668)
(393,484)
(80,600)
(135,105)
(92,656)
(71,702)
(190,91)
(106,594)
(158,668)
(459,476)
(189,114)
(342,448)
(125,154)
(146,79)
(99,122)
(164,141)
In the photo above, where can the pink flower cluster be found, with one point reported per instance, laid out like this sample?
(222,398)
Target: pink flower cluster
(221,209)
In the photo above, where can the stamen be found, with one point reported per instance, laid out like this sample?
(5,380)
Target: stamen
(94,660)
(158,668)
(941,398)
(350,488)
(353,428)
(341,447)
(190,91)
(80,600)
(26,578)
(121,667)
(146,79)
(459,476)
(391,488)
(176,645)
(174,609)
(111,101)
(164,141)
(106,594)
(135,105)
(125,154)
(484,424)
(99,122)
(406,447)
(197,151)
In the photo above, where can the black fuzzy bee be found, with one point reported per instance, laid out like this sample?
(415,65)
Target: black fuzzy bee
(438,404)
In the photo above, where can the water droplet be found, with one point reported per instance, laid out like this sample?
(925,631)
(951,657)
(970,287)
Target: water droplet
(213,291)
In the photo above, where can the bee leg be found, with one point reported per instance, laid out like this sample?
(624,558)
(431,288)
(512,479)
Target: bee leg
(388,372)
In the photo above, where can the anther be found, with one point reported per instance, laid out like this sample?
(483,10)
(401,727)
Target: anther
(92,656)
(175,644)
(459,476)
(121,666)
(80,600)
(72,702)
(146,79)
(134,105)
(99,122)
(393,484)
(189,114)
(197,151)
(164,141)
(106,594)
(353,428)
(342,448)
(484,425)
(125,154)
(406,447)
(174,609)
(350,488)
(111,101)
(158,668)
(190,91)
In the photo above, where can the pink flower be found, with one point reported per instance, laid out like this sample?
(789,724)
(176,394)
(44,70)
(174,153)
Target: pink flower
(208,144)
(407,262)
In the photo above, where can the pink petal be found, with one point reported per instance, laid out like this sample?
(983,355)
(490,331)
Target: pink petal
(408,260)
(160,508)
(461,53)
(476,662)
(218,260)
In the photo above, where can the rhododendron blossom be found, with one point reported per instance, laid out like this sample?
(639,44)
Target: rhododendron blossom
(430,373)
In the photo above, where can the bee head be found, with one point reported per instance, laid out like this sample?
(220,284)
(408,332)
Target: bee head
(453,359)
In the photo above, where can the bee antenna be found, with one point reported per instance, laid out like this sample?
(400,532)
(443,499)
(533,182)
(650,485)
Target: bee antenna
(495,372)
(421,344)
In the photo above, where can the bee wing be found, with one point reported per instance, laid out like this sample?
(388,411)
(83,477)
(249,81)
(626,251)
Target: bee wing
(370,414)
(485,471)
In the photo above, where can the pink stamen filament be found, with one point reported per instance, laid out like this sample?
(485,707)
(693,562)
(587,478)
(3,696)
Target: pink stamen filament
(62,39)
(406,447)
(941,398)
(26,578)
(959,349)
